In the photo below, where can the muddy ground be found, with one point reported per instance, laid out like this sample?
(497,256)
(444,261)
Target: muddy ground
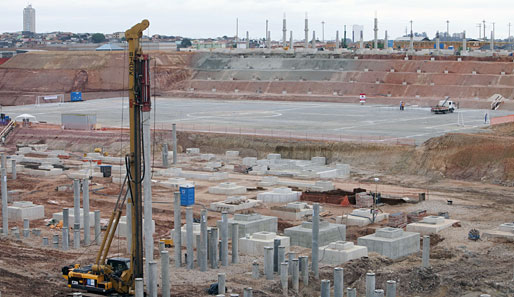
(459,267)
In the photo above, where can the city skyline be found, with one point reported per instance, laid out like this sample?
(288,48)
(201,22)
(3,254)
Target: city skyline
(195,18)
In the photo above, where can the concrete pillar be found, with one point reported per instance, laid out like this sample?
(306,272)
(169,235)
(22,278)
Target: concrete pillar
(221,283)
(140,290)
(26,228)
(375,39)
(76,236)
(248,292)
(255,270)
(165,274)
(4,161)
(284,277)
(426,251)
(313,39)
(464,45)
(284,32)
(276,263)
(391,288)
(386,41)
(281,256)
(325,288)
(306,45)
(66,225)
(85,202)
(370,284)
(361,41)
(338,42)
(304,263)
(178,226)
(164,155)
(65,239)
(198,240)
(76,201)
(152,279)
(247,40)
(224,239)
(129,229)
(45,241)
(296,276)
(338,282)
(189,237)
(268,39)
(315,240)
(411,43)
(214,248)
(268,262)
(147,190)
(174,136)
(291,44)
(203,241)
(56,241)
(351,292)
(5,211)
(379,293)
(98,229)
(13,169)
(290,258)
(235,243)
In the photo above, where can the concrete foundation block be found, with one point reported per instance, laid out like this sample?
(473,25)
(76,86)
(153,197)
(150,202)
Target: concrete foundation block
(279,195)
(122,229)
(253,245)
(302,235)
(234,203)
(504,232)
(58,216)
(249,161)
(232,154)
(196,232)
(273,157)
(227,189)
(252,223)
(390,242)
(339,252)
(362,217)
(207,157)
(21,210)
(192,151)
(431,225)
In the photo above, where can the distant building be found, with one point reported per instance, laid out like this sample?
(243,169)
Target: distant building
(357,32)
(29,19)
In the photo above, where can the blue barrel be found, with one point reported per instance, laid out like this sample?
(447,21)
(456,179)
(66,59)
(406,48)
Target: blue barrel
(76,96)
(187,195)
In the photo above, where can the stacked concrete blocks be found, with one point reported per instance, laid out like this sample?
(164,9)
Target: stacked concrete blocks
(393,243)
(253,245)
(302,235)
(340,252)
(292,211)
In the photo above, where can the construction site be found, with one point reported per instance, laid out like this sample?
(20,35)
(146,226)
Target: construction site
(256,172)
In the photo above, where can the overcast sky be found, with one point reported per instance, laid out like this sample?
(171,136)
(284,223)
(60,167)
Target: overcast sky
(212,18)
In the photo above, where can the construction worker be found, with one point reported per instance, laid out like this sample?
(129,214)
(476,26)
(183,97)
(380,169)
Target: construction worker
(401,105)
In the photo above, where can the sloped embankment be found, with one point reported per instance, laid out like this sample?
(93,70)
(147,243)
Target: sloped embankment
(64,72)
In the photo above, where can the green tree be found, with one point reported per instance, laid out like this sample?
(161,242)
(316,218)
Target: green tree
(98,37)
(186,42)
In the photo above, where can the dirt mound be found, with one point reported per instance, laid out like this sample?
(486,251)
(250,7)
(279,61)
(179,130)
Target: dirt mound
(485,157)
(64,72)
